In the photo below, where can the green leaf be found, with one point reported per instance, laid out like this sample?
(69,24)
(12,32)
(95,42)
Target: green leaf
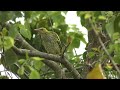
(87,16)
(91,54)
(117,58)
(117,24)
(55,15)
(116,53)
(116,36)
(75,43)
(85,22)
(4,16)
(111,48)
(13,30)
(108,67)
(97,13)
(21,61)
(77,37)
(25,31)
(63,27)
(96,49)
(34,75)
(38,65)
(80,37)
(10,57)
(21,70)
(8,42)
(27,14)
(102,17)
(84,55)
(4,31)
(110,27)
(116,48)
(27,26)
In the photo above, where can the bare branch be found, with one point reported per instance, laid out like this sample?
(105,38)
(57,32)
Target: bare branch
(70,67)
(52,57)
(58,72)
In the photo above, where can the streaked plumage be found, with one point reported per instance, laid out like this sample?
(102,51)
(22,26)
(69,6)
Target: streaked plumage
(50,41)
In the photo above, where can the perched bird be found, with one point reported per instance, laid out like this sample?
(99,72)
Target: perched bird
(50,41)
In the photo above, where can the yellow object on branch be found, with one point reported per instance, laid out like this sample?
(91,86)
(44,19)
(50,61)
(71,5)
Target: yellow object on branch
(96,73)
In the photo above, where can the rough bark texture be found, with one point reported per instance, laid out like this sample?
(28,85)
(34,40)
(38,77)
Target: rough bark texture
(93,42)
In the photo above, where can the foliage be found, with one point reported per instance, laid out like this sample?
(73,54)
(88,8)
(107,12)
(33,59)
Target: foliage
(105,23)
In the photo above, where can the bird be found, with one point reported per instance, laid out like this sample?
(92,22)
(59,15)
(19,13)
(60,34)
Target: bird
(50,41)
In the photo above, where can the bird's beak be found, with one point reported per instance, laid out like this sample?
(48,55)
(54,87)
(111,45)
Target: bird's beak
(36,30)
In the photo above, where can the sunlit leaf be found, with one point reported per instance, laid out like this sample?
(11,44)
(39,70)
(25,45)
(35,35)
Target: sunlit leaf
(87,16)
(21,61)
(91,54)
(37,58)
(34,75)
(8,42)
(96,49)
(4,31)
(38,65)
(108,66)
(21,70)
(102,17)
(116,36)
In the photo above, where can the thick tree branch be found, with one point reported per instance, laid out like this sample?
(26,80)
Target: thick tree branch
(33,52)
(58,72)
(26,45)
(52,57)
(70,67)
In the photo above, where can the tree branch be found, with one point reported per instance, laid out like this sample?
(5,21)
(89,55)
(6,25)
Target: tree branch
(70,67)
(58,72)
(49,57)
(26,45)
(33,52)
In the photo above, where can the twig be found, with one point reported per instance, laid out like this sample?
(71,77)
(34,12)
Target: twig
(65,49)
